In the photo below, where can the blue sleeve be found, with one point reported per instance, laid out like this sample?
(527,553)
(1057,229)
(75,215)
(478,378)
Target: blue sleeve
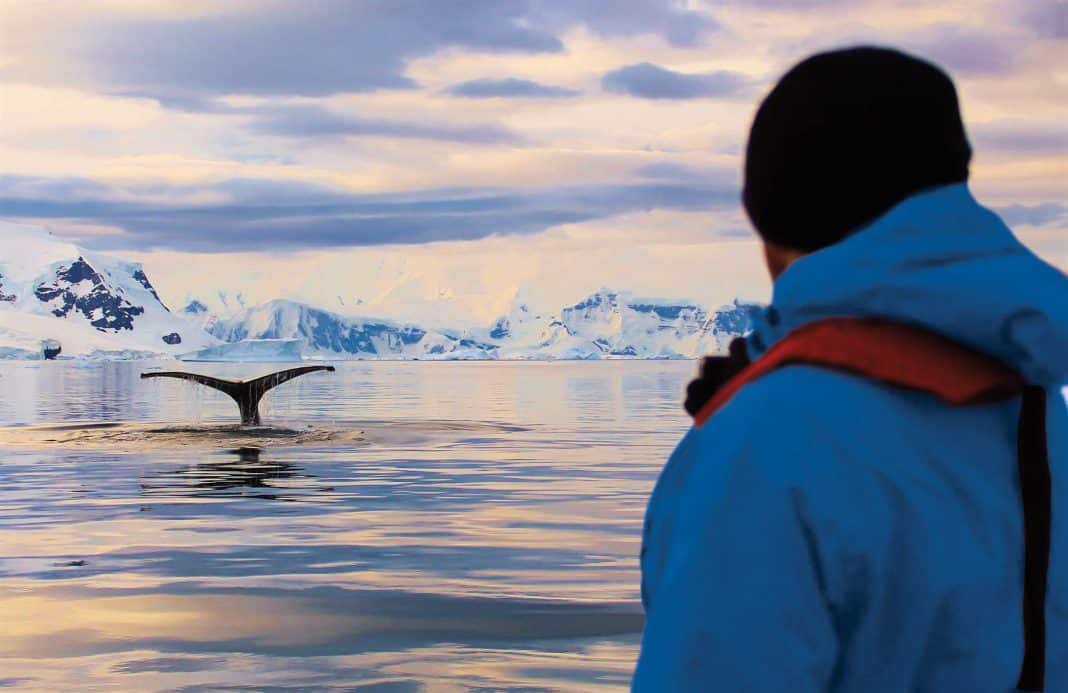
(737,602)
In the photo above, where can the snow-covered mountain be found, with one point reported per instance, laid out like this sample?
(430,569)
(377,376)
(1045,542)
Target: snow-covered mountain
(330,335)
(612,324)
(607,324)
(87,302)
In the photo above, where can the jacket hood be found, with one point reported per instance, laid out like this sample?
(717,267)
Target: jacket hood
(941,261)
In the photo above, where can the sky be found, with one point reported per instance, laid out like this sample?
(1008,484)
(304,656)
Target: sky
(435,160)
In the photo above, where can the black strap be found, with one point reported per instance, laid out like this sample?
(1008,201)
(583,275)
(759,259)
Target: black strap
(1033,466)
(715,372)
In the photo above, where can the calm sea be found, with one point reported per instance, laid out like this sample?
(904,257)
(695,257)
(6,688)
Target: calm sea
(484,536)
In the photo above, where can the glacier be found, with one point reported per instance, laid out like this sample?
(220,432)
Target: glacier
(327,335)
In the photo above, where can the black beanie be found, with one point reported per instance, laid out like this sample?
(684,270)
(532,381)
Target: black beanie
(843,137)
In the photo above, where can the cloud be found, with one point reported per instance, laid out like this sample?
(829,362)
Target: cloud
(669,170)
(253,214)
(791,5)
(649,81)
(720,175)
(273,48)
(1046,18)
(966,51)
(739,233)
(508,88)
(1034,215)
(316,122)
(680,27)
(1022,136)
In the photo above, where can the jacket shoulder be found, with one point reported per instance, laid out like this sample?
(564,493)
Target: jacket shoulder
(801,407)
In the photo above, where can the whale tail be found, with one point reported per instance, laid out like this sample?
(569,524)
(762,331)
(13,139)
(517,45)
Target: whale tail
(247,393)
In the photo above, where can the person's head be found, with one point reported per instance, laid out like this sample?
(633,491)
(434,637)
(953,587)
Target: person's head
(843,137)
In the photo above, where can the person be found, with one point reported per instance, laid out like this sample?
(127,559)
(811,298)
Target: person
(874,496)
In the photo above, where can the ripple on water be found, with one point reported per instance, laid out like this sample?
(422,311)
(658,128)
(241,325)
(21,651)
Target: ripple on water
(133,436)
(382,534)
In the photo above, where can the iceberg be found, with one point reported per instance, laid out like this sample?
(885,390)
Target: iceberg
(250,350)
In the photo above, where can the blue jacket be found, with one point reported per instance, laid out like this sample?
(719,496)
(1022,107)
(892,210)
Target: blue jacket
(823,532)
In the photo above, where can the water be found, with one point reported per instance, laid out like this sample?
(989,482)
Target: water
(482,533)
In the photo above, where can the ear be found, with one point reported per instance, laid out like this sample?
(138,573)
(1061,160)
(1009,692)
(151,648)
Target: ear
(779,257)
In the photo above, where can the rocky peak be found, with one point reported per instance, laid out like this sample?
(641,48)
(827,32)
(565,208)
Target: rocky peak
(80,288)
(8,298)
(195,307)
(140,278)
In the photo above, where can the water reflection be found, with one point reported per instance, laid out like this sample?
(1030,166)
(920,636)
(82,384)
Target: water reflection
(314,622)
(482,534)
(244,474)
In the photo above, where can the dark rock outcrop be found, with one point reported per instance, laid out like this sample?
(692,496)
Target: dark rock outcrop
(105,310)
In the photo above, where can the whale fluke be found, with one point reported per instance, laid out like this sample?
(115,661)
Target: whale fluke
(247,393)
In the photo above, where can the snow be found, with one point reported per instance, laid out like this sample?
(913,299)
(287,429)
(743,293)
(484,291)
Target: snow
(9,352)
(616,324)
(130,317)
